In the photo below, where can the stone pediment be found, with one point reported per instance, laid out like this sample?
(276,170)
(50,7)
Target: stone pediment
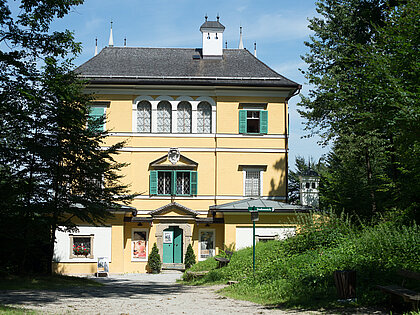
(173,160)
(173,209)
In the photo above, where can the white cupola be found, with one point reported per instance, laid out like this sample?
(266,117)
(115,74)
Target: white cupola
(212,32)
(309,189)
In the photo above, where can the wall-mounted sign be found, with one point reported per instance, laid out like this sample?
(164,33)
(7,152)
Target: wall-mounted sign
(167,237)
(103,265)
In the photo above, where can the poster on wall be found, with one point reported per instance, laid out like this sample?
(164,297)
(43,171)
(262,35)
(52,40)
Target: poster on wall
(139,245)
(167,237)
(103,265)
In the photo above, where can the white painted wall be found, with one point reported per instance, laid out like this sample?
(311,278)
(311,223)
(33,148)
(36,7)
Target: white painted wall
(101,244)
(244,234)
(212,46)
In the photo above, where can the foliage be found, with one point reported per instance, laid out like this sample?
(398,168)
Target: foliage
(363,64)
(299,270)
(190,259)
(302,166)
(154,263)
(9,310)
(53,170)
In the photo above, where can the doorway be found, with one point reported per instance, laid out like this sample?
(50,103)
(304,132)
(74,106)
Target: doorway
(172,245)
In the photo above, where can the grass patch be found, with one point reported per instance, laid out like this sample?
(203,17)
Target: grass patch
(8,310)
(45,282)
(298,272)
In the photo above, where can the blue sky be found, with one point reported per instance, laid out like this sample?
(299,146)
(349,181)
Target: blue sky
(278,26)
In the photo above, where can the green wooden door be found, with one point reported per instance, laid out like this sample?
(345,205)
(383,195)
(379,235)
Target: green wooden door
(177,245)
(168,246)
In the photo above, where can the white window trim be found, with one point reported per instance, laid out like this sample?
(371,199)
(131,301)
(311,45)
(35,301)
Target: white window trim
(199,242)
(147,244)
(255,169)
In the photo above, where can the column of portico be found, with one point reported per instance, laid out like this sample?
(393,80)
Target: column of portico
(174,116)
(154,115)
(194,105)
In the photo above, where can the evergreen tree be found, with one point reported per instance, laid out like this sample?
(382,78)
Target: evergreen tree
(154,262)
(189,257)
(363,65)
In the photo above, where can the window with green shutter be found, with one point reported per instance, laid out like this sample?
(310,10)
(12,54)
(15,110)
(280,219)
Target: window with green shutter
(253,121)
(97,118)
(175,183)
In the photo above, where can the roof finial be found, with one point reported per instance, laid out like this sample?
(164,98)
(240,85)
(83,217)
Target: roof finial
(255,49)
(125,41)
(241,44)
(226,44)
(96,46)
(111,38)
(206,17)
(218,17)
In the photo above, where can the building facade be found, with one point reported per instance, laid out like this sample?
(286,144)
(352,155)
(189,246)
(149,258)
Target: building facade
(206,134)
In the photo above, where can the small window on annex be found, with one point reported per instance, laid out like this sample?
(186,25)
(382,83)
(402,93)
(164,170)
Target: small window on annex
(204,118)
(164,117)
(144,110)
(81,246)
(139,245)
(207,244)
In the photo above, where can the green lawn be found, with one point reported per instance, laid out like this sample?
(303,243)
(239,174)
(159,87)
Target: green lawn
(7,310)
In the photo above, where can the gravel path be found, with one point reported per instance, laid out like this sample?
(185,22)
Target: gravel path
(136,294)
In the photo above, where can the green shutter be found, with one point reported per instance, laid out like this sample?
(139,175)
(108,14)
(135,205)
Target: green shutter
(153,181)
(242,121)
(193,183)
(173,183)
(263,121)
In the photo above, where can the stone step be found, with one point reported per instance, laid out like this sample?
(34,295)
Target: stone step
(179,267)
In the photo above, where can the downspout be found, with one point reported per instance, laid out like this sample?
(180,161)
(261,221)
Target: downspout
(286,133)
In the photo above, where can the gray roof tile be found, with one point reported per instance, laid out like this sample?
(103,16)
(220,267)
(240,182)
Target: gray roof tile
(243,205)
(176,66)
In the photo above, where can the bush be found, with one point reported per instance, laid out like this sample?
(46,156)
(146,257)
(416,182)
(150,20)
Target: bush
(154,262)
(189,257)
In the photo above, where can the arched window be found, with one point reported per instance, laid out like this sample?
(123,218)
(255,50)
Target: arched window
(204,118)
(144,110)
(184,117)
(164,117)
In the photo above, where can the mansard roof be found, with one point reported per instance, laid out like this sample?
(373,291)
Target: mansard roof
(180,66)
(212,25)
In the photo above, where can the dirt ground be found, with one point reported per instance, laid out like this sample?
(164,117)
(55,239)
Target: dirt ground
(138,294)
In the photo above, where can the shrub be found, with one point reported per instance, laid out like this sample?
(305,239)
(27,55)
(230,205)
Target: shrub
(154,262)
(189,257)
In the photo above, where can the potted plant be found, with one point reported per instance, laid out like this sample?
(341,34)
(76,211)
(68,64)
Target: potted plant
(154,263)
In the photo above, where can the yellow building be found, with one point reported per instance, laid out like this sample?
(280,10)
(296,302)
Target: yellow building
(206,132)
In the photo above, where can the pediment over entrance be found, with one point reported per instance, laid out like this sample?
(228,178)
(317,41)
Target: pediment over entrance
(173,209)
(173,160)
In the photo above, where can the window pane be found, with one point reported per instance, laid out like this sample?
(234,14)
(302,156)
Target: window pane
(253,121)
(81,246)
(164,117)
(164,183)
(204,118)
(183,183)
(252,183)
(184,117)
(143,116)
